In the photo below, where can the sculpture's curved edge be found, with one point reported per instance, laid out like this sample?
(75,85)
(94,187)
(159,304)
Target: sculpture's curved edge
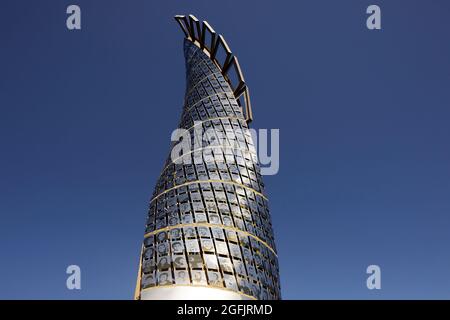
(197,33)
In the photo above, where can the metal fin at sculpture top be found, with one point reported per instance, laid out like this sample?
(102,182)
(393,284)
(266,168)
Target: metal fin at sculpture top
(199,34)
(209,233)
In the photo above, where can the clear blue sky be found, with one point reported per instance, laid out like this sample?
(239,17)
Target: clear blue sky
(364,177)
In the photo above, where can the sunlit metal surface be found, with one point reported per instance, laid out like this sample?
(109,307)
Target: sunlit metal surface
(209,233)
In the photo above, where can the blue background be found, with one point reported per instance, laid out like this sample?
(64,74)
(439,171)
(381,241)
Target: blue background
(364,176)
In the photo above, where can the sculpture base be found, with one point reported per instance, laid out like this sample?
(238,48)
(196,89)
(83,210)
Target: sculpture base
(190,293)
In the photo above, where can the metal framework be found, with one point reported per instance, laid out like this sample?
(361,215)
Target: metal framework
(197,33)
(209,232)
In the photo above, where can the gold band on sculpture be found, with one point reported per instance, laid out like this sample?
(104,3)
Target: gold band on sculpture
(210,225)
(208,181)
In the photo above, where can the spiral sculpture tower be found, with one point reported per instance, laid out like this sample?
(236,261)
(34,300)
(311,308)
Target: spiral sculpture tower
(209,232)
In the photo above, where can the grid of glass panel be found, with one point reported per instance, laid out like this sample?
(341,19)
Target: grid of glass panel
(208,222)
(203,255)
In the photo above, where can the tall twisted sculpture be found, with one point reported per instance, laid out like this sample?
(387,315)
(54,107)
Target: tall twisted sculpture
(209,233)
